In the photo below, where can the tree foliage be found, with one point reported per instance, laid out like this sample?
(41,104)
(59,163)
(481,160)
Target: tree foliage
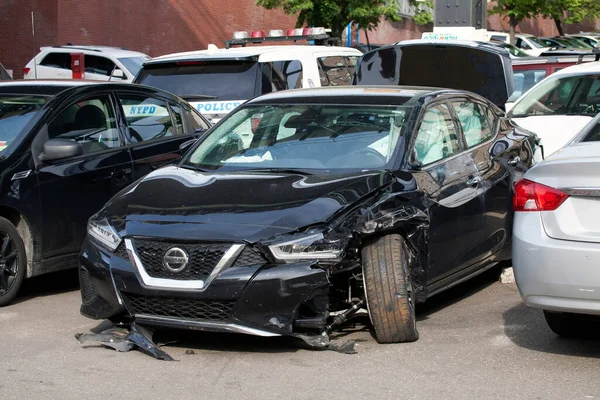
(516,11)
(570,11)
(336,14)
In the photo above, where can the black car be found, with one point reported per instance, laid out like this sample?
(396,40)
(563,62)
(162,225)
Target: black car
(301,207)
(66,147)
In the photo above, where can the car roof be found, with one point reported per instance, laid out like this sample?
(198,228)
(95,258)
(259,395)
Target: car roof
(106,50)
(295,51)
(53,87)
(583,68)
(349,95)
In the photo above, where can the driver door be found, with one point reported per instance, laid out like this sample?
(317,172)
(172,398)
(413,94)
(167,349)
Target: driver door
(452,183)
(73,189)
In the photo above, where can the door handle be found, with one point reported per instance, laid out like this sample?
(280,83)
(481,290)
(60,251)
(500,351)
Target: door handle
(119,174)
(473,180)
(514,161)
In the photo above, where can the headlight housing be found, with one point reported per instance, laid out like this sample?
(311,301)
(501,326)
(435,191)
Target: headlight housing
(104,234)
(308,247)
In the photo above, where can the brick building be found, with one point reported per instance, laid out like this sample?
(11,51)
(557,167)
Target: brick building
(158,27)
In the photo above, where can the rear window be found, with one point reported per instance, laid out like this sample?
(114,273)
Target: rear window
(223,80)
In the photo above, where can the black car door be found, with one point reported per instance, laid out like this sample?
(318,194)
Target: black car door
(155,128)
(480,126)
(73,189)
(450,180)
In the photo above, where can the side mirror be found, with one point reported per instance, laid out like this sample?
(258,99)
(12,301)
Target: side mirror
(118,74)
(56,149)
(186,145)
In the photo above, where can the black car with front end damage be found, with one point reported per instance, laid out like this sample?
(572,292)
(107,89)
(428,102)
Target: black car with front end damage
(302,207)
(67,147)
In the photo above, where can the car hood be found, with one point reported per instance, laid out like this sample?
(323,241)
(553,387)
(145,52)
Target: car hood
(554,131)
(181,203)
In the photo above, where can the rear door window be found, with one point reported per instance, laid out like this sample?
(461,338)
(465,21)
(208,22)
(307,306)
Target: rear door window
(225,80)
(147,118)
(57,60)
(336,70)
(291,71)
(98,65)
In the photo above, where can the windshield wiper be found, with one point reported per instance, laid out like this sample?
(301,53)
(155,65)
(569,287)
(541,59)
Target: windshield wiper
(280,170)
(193,168)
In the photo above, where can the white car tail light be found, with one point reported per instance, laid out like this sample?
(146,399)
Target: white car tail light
(532,196)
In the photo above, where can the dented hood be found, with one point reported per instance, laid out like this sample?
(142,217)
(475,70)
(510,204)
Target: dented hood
(476,67)
(238,205)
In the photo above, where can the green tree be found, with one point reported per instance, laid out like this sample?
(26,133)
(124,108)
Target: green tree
(570,11)
(336,14)
(516,11)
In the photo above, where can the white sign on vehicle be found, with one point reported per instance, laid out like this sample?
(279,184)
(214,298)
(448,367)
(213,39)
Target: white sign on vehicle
(439,36)
(145,110)
(217,107)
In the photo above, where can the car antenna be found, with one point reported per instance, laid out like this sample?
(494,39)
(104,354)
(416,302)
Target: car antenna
(34,47)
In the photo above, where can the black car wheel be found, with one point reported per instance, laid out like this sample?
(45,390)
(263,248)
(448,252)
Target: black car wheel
(12,262)
(388,289)
(567,325)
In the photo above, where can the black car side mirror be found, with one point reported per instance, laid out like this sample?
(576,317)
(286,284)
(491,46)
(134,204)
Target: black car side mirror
(56,149)
(186,145)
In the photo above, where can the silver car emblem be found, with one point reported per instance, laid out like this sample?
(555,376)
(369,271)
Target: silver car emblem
(175,259)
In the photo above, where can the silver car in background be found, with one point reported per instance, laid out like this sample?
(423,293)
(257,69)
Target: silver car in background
(556,235)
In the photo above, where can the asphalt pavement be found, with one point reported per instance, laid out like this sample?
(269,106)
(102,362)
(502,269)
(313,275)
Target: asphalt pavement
(476,341)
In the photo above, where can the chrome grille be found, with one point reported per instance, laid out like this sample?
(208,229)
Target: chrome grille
(203,258)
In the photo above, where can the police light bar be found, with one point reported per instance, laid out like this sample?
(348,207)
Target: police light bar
(319,35)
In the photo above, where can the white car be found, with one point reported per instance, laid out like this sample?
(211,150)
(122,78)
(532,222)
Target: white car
(101,63)
(592,40)
(524,41)
(217,80)
(558,107)
(556,234)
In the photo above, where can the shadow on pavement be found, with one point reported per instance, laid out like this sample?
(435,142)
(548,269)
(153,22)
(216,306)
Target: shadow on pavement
(458,292)
(526,327)
(48,285)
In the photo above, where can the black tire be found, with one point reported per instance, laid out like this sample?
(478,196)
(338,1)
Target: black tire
(388,289)
(13,262)
(567,325)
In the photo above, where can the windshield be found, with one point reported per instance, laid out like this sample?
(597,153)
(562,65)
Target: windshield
(536,42)
(15,113)
(307,137)
(572,95)
(133,64)
(226,80)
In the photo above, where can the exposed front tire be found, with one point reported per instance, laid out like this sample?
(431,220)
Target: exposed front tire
(388,289)
(13,262)
(567,325)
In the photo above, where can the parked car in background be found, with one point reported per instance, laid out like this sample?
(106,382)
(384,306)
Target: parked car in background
(66,147)
(530,71)
(556,237)
(354,197)
(558,107)
(562,42)
(4,75)
(528,43)
(217,80)
(591,39)
(102,63)
(514,51)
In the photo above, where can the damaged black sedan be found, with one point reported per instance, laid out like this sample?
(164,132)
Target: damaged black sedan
(302,207)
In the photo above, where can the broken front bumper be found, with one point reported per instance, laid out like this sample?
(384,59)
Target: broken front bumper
(240,295)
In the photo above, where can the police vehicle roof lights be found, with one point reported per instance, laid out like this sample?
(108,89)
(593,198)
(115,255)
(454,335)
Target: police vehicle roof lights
(319,35)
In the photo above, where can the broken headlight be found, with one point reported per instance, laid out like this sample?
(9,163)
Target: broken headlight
(310,247)
(104,234)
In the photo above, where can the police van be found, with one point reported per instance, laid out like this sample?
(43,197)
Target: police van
(217,80)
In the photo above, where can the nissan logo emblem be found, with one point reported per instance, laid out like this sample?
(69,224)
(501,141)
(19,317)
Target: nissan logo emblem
(175,259)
